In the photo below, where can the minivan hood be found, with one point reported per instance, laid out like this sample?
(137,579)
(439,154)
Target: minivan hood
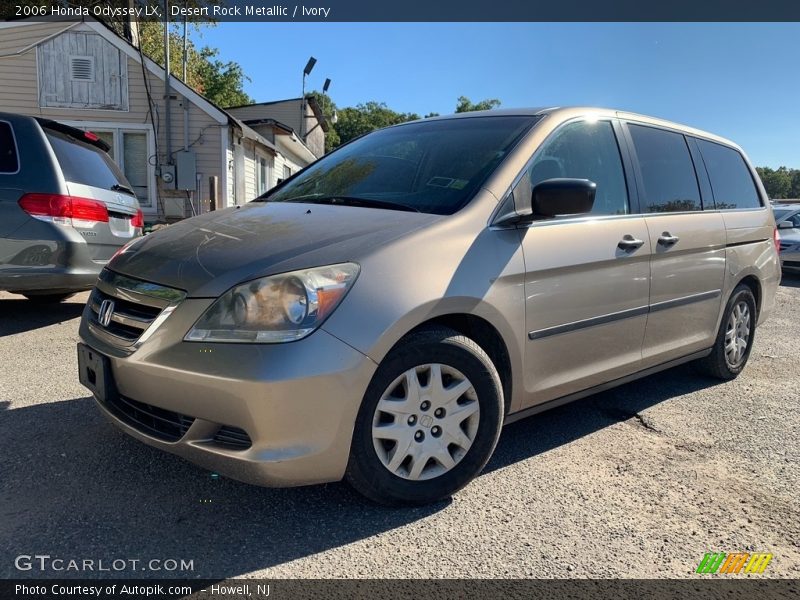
(209,254)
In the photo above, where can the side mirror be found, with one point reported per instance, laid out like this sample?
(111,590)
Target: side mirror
(548,199)
(785,225)
(554,197)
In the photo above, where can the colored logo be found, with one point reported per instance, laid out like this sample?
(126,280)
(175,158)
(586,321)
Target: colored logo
(735,562)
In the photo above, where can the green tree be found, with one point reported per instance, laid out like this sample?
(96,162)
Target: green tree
(222,82)
(329,111)
(354,121)
(777,182)
(464,104)
(363,118)
(795,193)
(219,81)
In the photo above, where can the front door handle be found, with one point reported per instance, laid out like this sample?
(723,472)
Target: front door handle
(667,239)
(629,243)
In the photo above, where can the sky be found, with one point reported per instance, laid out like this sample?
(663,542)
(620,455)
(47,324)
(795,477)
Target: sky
(739,81)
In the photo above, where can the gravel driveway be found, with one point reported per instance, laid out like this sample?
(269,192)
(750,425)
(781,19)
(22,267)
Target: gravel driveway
(640,481)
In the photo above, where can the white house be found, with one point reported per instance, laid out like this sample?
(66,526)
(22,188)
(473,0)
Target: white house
(86,75)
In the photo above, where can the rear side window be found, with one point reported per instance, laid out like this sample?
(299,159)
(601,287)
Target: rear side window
(731,182)
(585,150)
(670,183)
(85,164)
(9,162)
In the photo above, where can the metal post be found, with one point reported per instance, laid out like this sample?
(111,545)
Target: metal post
(213,189)
(185,57)
(167,90)
(303,109)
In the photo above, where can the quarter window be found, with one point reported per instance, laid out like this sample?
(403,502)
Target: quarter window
(668,176)
(9,163)
(585,150)
(731,182)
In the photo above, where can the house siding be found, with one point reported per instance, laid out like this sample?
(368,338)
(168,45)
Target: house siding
(288,113)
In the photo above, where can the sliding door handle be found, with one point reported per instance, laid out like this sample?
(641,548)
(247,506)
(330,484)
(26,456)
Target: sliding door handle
(667,239)
(629,243)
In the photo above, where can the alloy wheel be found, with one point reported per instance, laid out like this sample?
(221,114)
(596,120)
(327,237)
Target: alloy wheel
(737,334)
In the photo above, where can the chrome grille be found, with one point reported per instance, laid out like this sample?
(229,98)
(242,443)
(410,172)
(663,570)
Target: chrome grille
(128,321)
(133,308)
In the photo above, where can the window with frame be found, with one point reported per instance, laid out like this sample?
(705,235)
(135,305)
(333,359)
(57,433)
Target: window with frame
(584,150)
(263,175)
(668,175)
(731,181)
(129,149)
(9,162)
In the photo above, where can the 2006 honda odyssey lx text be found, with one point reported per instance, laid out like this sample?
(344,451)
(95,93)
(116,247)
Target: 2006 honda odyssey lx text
(380,315)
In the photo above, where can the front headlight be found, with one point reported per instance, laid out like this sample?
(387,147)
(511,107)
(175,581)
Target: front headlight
(279,308)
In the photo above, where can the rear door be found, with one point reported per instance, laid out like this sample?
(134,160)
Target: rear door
(587,277)
(90,173)
(687,244)
(9,192)
(11,217)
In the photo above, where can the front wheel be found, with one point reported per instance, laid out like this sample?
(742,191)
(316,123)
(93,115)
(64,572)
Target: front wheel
(734,338)
(429,422)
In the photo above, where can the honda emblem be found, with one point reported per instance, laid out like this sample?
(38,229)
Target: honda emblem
(105,313)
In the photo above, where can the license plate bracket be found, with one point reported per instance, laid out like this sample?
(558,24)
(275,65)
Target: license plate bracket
(94,372)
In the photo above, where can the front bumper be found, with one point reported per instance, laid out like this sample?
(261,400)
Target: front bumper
(296,401)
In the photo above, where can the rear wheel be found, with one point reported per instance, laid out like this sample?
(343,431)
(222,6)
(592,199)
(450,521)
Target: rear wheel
(429,421)
(48,298)
(734,338)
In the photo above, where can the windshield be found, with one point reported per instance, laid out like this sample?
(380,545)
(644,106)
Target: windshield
(429,166)
(780,213)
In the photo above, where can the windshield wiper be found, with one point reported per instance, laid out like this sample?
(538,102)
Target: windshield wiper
(353,201)
(121,188)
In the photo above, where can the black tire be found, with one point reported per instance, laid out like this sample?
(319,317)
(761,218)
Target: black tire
(48,298)
(717,363)
(365,471)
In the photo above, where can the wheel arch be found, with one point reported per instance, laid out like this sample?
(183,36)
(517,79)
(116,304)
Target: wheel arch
(754,284)
(483,333)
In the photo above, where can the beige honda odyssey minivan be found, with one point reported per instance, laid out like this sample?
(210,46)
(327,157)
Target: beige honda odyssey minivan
(381,314)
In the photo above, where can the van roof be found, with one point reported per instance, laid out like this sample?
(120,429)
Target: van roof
(565,112)
(73,132)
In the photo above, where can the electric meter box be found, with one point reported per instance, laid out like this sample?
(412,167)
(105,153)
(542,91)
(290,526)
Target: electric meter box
(186,170)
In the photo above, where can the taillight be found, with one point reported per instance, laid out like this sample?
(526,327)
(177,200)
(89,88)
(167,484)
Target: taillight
(138,219)
(776,237)
(63,208)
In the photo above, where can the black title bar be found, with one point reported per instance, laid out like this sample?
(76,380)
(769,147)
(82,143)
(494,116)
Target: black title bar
(711,587)
(408,10)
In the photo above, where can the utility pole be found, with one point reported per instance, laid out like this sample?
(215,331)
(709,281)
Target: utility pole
(167,90)
(309,65)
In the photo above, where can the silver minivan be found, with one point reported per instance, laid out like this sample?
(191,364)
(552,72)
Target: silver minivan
(381,314)
(65,208)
